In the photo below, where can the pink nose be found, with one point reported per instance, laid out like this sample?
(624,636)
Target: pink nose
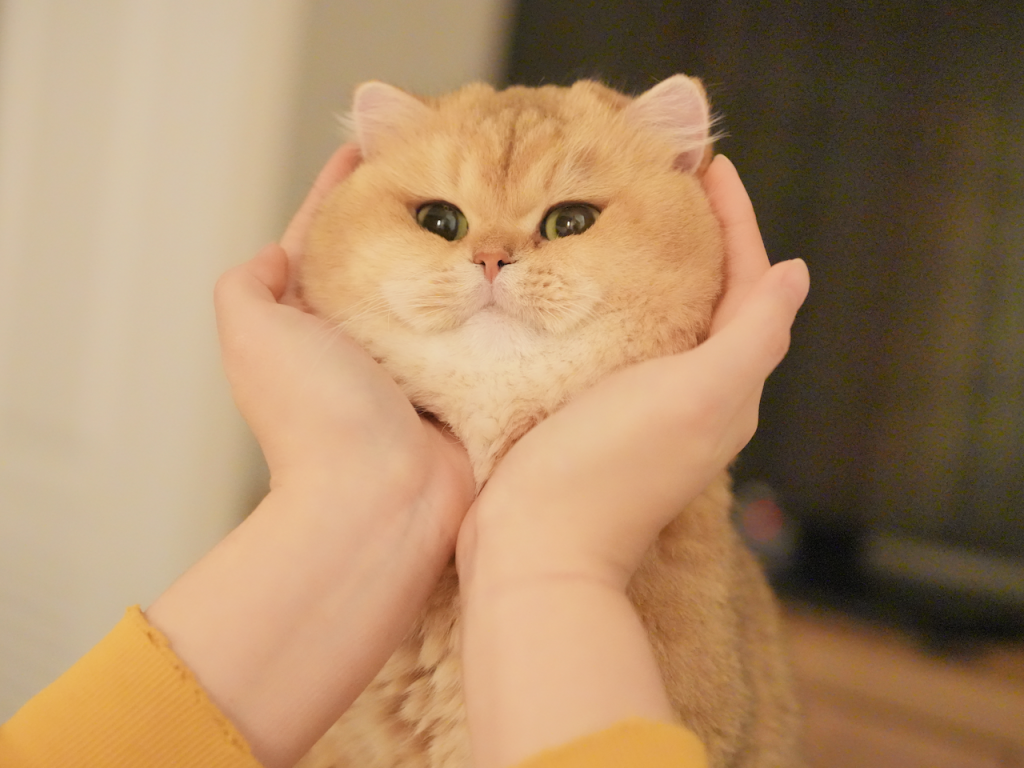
(492,262)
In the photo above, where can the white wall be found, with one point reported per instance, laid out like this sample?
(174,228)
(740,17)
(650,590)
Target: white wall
(428,48)
(145,145)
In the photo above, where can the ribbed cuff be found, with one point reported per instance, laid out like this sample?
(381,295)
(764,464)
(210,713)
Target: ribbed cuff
(128,702)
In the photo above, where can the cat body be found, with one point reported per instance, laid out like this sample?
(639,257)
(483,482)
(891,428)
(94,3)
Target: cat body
(498,252)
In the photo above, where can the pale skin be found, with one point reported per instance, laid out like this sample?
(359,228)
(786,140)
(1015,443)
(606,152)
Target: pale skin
(288,618)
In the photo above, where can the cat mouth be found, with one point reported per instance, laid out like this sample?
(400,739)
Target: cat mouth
(488,299)
(496,305)
(490,310)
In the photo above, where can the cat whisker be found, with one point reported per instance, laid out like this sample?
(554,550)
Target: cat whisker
(368,306)
(373,306)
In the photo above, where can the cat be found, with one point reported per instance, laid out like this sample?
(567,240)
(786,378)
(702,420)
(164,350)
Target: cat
(497,252)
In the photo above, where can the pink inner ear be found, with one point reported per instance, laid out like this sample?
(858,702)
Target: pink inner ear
(378,109)
(678,109)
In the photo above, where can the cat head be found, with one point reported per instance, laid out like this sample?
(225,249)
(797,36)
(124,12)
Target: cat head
(550,210)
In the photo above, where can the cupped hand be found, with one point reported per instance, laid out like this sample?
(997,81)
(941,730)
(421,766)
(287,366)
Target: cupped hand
(319,406)
(291,615)
(587,491)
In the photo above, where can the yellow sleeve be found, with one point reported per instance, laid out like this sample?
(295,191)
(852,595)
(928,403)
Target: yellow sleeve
(129,702)
(629,744)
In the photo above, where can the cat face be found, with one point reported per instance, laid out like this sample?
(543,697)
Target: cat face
(524,217)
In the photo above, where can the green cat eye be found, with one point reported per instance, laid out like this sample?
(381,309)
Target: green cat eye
(443,219)
(570,219)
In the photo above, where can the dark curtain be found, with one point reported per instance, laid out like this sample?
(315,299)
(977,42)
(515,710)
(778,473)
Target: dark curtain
(885,146)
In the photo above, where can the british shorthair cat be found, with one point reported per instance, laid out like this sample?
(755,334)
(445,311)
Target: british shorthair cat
(498,252)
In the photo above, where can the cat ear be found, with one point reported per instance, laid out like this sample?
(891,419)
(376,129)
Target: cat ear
(677,108)
(379,109)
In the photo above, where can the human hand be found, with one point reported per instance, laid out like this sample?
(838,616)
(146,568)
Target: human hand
(287,619)
(318,405)
(587,491)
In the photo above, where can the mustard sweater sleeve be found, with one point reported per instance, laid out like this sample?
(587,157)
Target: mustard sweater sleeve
(129,702)
(629,744)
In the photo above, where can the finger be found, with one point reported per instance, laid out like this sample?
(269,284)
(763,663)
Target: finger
(258,282)
(345,160)
(756,339)
(270,268)
(746,258)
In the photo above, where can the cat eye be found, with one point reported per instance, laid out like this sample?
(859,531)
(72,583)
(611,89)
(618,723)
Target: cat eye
(570,219)
(443,219)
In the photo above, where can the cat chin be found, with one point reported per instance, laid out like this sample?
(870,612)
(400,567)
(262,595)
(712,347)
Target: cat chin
(488,337)
(494,332)
(489,361)
(508,309)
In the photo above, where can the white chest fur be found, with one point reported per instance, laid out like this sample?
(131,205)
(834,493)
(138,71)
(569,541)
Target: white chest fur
(488,379)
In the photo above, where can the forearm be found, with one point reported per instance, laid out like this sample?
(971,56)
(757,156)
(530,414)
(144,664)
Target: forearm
(286,620)
(549,657)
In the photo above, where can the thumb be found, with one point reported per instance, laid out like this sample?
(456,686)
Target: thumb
(740,355)
(754,341)
(248,288)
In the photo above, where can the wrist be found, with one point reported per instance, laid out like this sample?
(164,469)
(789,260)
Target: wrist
(423,484)
(289,618)
(551,656)
(503,544)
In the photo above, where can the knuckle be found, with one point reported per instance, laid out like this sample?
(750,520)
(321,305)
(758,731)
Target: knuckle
(223,288)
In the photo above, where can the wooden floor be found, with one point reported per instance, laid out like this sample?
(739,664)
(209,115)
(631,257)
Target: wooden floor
(874,699)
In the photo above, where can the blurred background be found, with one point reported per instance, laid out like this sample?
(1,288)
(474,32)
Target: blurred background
(146,146)
(884,145)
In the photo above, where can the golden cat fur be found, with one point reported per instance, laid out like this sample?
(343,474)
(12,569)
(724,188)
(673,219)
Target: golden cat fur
(495,329)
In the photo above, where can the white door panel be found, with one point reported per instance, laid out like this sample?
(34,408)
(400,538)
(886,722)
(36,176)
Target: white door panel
(142,151)
(145,145)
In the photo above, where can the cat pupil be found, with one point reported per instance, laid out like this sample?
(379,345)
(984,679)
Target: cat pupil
(443,219)
(570,223)
(565,220)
